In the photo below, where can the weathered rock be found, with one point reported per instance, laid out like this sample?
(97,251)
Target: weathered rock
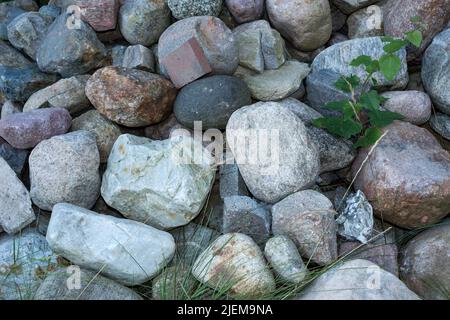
(174,283)
(10,57)
(143,21)
(357,280)
(92,286)
(130,97)
(27,31)
(306,24)
(235,260)
(15,158)
(231,182)
(138,57)
(214,37)
(338,18)
(338,58)
(384,255)
(101,15)
(407,157)
(367,22)
(212,101)
(65,169)
(28,5)
(8,13)
(151,182)
(435,14)
(260,46)
(9,108)
(425,263)
(414,106)
(307,217)
(50,12)
(191,240)
(288,167)
(301,110)
(244,215)
(136,254)
(277,84)
(164,129)
(441,124)
(284,258)
(105,130)
(24,259)
(349,6)
(26,129)
(15,203)
(182,9)
(70,51)
(117,55)
(435,75)
(67,93)
(245,10)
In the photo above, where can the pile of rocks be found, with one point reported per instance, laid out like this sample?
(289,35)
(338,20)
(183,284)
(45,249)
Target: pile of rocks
(114,120)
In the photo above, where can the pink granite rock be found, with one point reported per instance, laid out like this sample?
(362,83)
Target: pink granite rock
(245,10)
(101,15)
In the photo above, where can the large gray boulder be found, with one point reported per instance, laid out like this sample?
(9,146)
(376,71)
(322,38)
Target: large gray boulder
(357,280)
(293,161)
(151,182)
(123,250)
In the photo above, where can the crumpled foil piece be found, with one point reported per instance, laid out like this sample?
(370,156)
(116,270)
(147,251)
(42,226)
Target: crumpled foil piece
(355,221)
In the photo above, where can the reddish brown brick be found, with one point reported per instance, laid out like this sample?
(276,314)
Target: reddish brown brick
(101,15)
(187,63)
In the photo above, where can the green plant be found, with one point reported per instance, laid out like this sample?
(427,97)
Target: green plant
(361,117)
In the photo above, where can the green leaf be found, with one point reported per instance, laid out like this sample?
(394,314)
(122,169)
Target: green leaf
(383,118)
(387,39)
(361,60)
(414,37)
(373,67)
(394,45)
(370,137)
(416,19)
(390,66)
(371,100)
(336,105)
(345,128)
(346,84)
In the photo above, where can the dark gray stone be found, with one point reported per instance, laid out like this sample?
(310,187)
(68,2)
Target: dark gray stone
(211,100)
(16,158)
(244,215)
(441,124)
(231,182)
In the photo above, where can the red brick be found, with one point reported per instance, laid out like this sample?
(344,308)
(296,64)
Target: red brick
(187,63)
(101,15)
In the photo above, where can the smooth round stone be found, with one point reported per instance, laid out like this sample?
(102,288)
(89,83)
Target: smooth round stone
(367,22)
(441,124)
(212,101)
(65,168)
(133,98)
(143,21)
(182,9)
(245,10)
(216,40)
(306,24)
(415,106)
(26,130)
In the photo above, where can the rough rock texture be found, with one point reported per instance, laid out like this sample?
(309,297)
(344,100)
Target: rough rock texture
(101,15)
(260,46)
(123,250)
(70,51)
(138,57)
(16,158)
(27,31)
(307,217)
(231,182)
(7,14)
(245,10)
(288,167)
(50,11)
(338,58)
(66,93)
(244,215)
(21,258)
(211,100)
(65,169)
(151,182)
(92,286)
(367,22)
(407,177)
(301,110)
(435,75)
(214,37)
(414,106)
(272,85)
(25,130)
(306,24)
(235,259)
(349,6)
(133,98)
(182,9)
(425,263)
(357,280)
(105,130)
(143,21)
(441,124)
(434,13)
(15,203)
(284,258)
